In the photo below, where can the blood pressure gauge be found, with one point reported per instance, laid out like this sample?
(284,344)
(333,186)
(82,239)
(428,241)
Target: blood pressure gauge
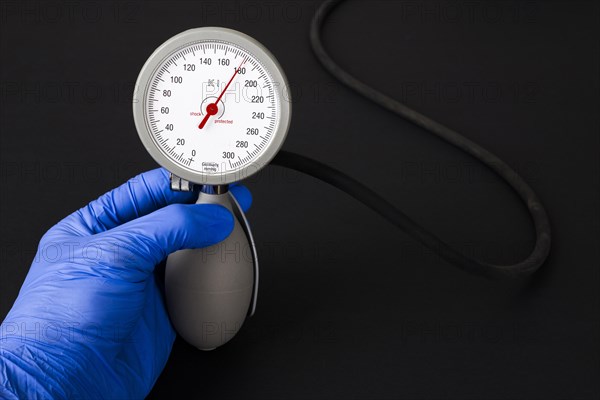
(211,106)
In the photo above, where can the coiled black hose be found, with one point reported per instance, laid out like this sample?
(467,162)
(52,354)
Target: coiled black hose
(389,211)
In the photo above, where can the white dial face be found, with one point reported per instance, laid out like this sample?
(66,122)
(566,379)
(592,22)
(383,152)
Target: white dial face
(212,108)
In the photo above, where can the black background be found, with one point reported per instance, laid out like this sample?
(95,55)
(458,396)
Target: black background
(349,306)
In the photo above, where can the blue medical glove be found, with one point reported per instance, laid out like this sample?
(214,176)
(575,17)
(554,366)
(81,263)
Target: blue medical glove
(90,320)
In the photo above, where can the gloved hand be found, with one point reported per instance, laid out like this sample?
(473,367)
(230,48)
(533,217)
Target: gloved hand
(90,320)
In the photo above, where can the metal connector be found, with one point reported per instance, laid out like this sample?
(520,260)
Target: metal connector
(181,185)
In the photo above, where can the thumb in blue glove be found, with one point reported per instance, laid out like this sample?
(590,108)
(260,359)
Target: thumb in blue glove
(90,320)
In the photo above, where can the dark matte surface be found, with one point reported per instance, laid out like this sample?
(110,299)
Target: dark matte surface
(349,307)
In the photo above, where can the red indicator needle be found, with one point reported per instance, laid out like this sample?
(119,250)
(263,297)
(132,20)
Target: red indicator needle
(212,108)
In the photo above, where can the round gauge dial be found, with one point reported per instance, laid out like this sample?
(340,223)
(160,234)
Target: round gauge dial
(211,106)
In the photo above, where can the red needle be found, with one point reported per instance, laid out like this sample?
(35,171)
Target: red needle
(212,108)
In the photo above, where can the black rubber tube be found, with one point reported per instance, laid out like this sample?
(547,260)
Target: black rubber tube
(387,210)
